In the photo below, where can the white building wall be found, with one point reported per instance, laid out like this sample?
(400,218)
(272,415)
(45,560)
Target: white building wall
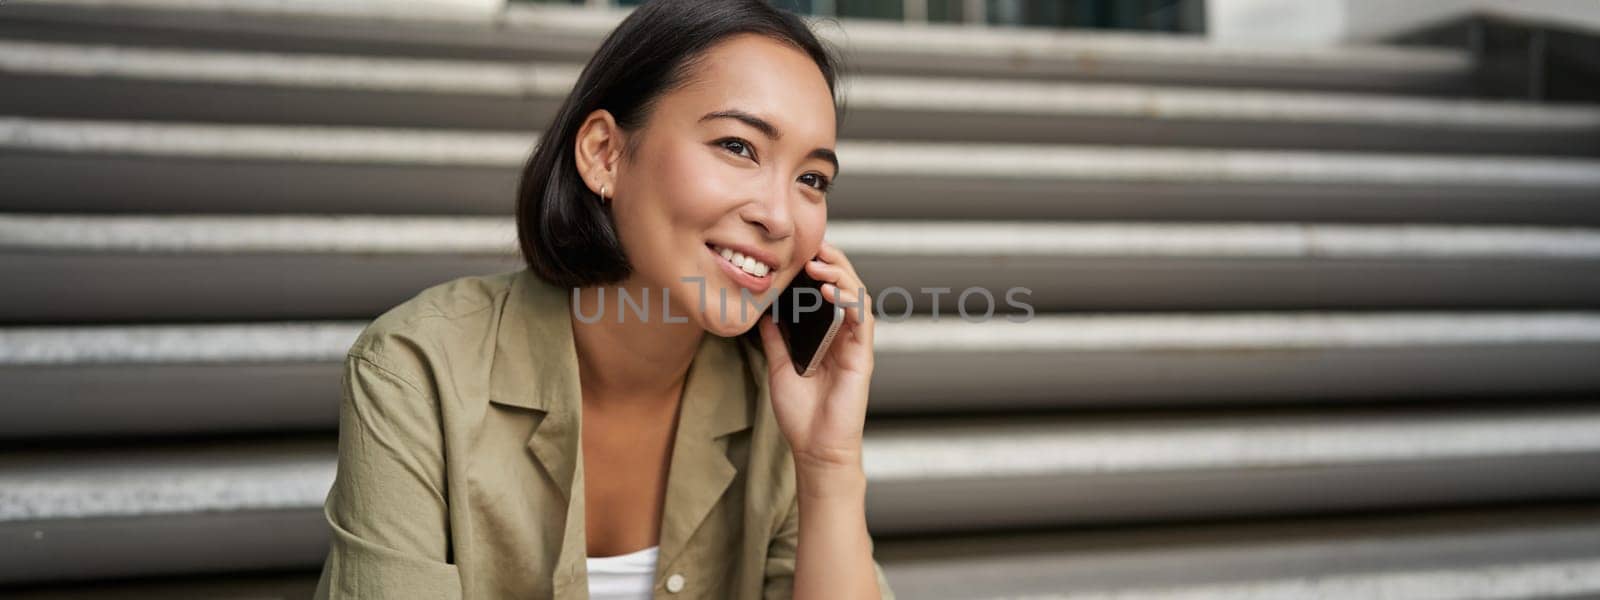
(1326,22)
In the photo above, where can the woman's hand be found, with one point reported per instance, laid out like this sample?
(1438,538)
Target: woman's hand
(822,416)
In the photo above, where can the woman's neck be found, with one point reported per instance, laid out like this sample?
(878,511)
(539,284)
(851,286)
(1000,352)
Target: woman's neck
(634,360)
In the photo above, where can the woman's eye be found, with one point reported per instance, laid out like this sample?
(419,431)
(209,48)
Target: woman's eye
(737,146)
(817,181)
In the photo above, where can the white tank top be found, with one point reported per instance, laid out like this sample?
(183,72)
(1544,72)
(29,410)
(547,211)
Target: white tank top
(624,576)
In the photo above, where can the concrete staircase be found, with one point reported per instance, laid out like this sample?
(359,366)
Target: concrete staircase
(1311,323)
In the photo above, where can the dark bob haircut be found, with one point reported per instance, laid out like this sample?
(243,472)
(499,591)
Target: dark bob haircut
(566,234)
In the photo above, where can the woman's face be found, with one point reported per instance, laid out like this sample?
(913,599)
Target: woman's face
(737,159)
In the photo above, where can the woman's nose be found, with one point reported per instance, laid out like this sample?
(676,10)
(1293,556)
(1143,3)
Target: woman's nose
(773,214)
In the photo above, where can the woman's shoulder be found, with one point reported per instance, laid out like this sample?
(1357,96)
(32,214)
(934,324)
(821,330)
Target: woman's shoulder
(444,318)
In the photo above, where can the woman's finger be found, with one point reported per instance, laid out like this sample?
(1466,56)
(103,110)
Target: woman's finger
(831,254)
(858,327)
(838,276)
(823,272)
(853,302)
(842,274)
(836,260)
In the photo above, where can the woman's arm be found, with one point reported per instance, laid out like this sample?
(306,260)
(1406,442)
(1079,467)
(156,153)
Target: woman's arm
(834,558)
(781,555)
(387,509)
(823,418)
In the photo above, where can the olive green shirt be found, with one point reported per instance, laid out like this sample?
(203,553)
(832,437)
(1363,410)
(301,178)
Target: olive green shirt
(461,470)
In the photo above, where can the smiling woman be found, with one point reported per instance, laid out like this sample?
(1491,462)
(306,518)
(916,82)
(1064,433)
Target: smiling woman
(493,445)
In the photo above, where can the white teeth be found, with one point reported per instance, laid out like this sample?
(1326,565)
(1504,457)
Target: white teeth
(744,263)
(754,267)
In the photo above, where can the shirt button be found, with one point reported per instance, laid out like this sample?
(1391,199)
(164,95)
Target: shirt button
(675,583)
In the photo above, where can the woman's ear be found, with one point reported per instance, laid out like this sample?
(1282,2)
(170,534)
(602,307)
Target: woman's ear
(596,149)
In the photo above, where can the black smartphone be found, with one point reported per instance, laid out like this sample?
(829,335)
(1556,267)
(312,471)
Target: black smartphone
(808,322)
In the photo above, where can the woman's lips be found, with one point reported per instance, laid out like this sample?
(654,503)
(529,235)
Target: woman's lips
(756,285)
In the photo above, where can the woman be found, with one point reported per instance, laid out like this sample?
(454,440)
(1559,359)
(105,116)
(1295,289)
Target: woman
(520,435)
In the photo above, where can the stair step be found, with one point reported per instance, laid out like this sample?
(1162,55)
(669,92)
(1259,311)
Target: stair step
(177,268)
(190,167)
(1518,552)
(572,34)
(160,509)
(103,512)
(219,375)
(942,474)
(242,585)
(65,80)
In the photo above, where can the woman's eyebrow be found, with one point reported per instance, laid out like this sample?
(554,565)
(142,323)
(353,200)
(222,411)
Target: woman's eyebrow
(769,130)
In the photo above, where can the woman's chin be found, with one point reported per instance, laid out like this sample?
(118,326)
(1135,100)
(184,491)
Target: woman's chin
(729,326)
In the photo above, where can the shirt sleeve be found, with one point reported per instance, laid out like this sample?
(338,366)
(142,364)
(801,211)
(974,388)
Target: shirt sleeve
(780,560)
(387,511)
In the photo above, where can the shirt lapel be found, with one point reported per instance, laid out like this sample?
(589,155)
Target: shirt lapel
(717,401)
(536,367)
